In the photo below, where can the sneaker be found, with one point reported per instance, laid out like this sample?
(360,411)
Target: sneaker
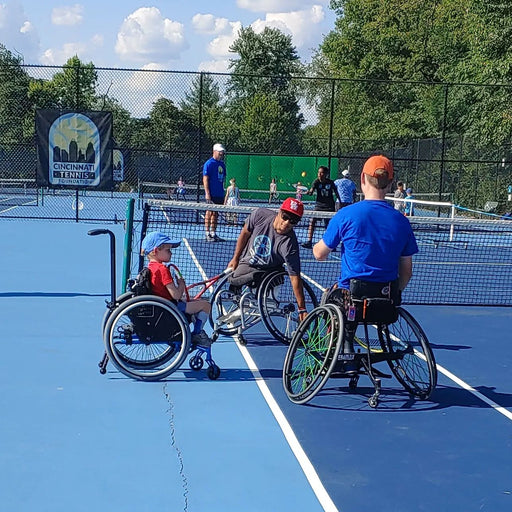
(202,339)
(216,238)
(209,238)
(307,245)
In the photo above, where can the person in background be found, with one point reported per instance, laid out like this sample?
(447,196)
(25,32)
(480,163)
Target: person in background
(214,176)
(408,205)
(347,191)
(180,189)
(232,199)
(326,191)
(399,194)
(273,191)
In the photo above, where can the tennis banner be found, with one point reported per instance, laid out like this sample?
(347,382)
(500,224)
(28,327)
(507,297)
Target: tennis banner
(74,149)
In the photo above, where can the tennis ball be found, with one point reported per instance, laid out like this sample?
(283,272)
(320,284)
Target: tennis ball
(303,174)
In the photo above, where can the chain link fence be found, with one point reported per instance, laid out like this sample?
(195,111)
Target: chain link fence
(165,124)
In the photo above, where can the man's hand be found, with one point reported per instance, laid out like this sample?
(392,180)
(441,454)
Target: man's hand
(302,315)
(233,263)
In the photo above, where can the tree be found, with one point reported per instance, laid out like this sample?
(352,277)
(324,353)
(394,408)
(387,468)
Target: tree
(72,88)
(264,73)
(14,102)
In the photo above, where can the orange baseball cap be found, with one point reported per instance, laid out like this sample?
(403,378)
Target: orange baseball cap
(293,206)
(378,163)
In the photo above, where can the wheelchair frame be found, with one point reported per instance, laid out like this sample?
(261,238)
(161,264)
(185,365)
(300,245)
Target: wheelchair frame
(232,314)
(316,354)
(132,348)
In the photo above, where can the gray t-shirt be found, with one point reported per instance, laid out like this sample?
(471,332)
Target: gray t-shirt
(267,249)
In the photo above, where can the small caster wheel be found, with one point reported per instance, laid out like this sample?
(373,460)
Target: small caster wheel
(213,372)
(103,370)
(195,363)
(241,340)
(373,401)
(352,385)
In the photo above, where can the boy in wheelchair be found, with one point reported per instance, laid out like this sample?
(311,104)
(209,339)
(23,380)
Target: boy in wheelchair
(157,247)
(376,253)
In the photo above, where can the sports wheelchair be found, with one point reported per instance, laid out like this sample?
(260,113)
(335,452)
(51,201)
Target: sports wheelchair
(380,331)
(268,297)
(146,336)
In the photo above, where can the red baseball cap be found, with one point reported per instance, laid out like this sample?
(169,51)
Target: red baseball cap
(294,206)
(376,164)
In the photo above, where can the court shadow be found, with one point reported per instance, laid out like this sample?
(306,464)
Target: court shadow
(398,400)
(52,294)
(438,346)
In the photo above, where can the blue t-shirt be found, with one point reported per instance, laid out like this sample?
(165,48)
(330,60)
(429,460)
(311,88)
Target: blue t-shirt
(216,172)
(346,190)
(374,236)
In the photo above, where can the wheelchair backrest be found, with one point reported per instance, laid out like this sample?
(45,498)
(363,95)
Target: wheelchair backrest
(141,285)
(375,302)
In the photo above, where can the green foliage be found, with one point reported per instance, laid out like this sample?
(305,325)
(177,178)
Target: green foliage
(14,84)
(72,88)
(262,96)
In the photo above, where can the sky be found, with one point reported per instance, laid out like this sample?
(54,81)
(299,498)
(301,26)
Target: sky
(175,35)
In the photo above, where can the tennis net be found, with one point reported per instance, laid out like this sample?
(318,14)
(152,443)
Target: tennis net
(18,192)
(462,261)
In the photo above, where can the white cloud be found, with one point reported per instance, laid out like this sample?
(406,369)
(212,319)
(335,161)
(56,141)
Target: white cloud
(59,56)
(69,15)
(298,24)
(17,33)
(209,24)
(277,5)
(214,66)
(219,47)
(146,36)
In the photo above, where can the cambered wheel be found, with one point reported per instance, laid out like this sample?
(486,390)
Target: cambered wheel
(278,305)
(147,338)
(414,365)
(312,353)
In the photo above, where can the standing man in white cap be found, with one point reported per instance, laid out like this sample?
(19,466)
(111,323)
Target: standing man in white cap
(346,190)
(214,176)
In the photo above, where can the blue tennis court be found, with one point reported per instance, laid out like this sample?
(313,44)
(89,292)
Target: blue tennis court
(72,439)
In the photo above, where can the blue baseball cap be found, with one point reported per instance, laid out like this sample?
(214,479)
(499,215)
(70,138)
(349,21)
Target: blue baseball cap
(155,239)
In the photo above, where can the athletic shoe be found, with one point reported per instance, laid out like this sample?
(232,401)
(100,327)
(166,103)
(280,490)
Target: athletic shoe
(209,238)
(202,339)
(218,239)
(307,245)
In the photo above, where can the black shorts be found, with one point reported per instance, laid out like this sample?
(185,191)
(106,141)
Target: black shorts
(217,200)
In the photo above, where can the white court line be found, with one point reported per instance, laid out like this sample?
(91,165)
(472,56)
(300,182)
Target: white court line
(289,434)
(467,387)
(18,206)
(303,460)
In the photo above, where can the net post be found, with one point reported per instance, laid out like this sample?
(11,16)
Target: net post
(128,235)
(452,216)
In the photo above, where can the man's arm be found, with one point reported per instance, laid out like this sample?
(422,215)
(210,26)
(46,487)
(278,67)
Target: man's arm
(206,185)
(298,291)
(241,243)
(321,251)
(404,271)
(336,191)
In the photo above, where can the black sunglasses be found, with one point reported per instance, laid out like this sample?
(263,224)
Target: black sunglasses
(291,219)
